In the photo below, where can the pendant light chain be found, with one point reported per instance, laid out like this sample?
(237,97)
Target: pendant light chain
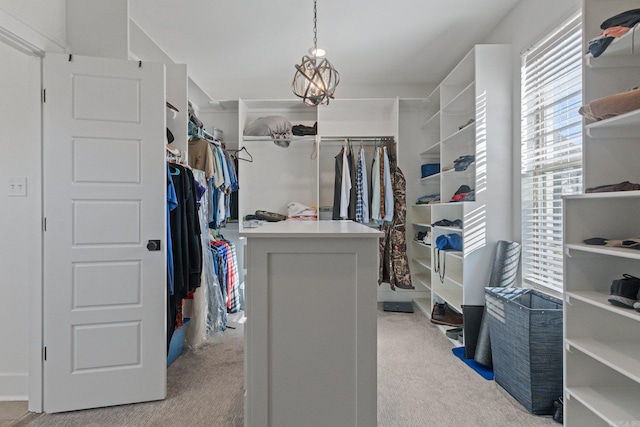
(315,29)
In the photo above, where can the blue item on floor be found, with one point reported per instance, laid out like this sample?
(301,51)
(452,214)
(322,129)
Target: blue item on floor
(483,371)
(176,345)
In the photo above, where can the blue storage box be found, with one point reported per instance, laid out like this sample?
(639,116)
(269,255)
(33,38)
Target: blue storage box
(430,169)
(525,329)
(177,343)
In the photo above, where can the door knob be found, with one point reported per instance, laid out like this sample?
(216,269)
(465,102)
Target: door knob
(153,245)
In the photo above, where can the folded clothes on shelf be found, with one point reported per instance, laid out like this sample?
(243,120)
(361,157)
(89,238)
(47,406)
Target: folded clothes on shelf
(448,223)
(428,198)
(463,162)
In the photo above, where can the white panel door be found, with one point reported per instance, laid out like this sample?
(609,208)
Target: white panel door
(104,199)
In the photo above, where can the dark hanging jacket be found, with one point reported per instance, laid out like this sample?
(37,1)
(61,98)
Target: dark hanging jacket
(394,263)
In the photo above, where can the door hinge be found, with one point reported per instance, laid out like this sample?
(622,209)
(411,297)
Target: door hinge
(44,224)
(44,96)
(44,353)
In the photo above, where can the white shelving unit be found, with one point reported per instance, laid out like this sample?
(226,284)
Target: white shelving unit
(467,114)
(602,341)
(304,172)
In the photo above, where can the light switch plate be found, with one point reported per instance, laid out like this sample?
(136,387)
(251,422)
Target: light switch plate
(17,186)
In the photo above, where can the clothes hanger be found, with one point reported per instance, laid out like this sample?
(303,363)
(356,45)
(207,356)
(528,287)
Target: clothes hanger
(237,152)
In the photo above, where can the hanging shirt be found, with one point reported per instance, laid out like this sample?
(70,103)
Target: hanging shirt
(362,194)
(375,186)
(345,192)
(201,157)
(172,203)
(388,190)
(382,185)
(218,174)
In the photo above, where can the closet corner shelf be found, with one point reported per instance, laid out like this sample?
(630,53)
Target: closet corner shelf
(462,102)
(434,150)
(434,177)
(432,121)
(454,229)
(470,170)
(424,245)
(466,134)
(422,224)
(424,262)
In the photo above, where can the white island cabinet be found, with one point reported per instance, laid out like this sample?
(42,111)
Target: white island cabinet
(310,335)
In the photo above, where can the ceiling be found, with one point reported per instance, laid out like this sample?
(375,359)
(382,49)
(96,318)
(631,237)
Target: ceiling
(247,48)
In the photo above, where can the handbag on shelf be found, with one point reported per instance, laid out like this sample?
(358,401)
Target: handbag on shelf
(449,241)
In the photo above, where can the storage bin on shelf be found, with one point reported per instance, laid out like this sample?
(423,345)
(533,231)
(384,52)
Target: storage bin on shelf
(525,326)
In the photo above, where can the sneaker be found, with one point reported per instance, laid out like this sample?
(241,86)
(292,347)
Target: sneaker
(636,305)
(624,292)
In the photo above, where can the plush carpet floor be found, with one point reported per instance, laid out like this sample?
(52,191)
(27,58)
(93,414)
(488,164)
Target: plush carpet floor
(420,383)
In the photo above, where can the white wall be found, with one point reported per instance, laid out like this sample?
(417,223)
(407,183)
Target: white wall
(525,25)
(20,261)
(43,24)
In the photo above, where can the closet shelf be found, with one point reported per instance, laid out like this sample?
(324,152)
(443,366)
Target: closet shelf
(465,135)
(604,250)
(424,245)
(430,178)
(420,224)
(423,262)
(619,355)
(610,404)
(623,126)
(434,150)
(432,122)
(599,300)
(463,103)
(310,138)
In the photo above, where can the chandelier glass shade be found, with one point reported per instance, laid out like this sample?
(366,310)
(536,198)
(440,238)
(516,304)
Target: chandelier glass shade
(315,79)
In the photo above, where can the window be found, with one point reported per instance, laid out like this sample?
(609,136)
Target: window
(551,148)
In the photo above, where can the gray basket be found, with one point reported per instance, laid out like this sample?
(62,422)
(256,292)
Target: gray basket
(525,326)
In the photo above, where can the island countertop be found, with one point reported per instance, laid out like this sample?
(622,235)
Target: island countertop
(304,229)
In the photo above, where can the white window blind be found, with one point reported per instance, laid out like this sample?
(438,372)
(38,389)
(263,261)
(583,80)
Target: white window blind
(551,148)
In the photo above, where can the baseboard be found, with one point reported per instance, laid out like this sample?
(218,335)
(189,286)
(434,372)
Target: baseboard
(400,294)
(14,387)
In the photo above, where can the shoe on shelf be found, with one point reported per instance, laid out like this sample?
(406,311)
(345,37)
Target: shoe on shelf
(445,315)
(636,305)
(454,333)
(624,292)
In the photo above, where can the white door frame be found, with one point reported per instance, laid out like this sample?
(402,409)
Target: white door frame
(30,41)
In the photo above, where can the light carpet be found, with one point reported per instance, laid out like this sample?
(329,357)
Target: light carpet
(420,383)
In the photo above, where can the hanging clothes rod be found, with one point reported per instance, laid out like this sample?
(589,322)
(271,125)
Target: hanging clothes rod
(365,140)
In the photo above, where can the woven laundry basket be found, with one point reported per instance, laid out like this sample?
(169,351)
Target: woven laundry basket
(525,326)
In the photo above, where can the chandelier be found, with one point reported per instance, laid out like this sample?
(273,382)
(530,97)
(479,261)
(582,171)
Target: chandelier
(315,80)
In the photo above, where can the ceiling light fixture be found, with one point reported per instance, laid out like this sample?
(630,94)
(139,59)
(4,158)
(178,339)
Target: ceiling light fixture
(315,80)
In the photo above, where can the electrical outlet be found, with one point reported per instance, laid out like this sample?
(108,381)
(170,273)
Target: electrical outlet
(17,186)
